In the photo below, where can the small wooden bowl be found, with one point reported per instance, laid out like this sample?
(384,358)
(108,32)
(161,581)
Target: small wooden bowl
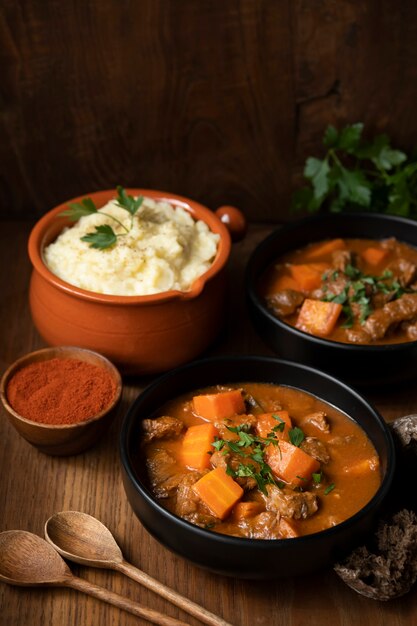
(62,439)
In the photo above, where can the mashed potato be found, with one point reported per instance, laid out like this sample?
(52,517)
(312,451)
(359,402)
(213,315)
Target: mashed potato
(165,249)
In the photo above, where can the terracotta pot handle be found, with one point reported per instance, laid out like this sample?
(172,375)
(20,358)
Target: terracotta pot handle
(234,220)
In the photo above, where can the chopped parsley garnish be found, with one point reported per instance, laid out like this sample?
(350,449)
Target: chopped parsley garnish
(250,448)
(317,477)
(296,436)
(358,291)
(279,427)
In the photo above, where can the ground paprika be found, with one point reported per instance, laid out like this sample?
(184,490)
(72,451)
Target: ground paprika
(60,391)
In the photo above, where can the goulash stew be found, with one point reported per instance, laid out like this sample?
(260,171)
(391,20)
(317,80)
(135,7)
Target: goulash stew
(357,291)
(259,461)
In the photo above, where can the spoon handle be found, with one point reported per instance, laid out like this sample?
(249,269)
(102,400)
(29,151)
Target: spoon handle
(169,594)
(122,603)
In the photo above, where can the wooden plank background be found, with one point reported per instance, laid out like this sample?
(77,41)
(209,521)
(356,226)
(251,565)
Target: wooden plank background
(218,100)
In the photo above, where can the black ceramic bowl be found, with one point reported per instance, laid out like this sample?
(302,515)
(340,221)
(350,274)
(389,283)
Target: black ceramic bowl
(359,364)
(240,557)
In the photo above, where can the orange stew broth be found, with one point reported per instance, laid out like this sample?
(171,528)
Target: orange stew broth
(280,268)
(347,445)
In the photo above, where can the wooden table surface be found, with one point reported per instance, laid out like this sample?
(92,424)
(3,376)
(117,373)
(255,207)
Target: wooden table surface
(33,486)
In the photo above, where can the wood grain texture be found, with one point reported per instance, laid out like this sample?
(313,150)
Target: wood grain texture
(218,101)
(354,61)
(34,486)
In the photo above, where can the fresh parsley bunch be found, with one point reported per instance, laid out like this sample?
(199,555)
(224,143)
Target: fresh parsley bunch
(359,175)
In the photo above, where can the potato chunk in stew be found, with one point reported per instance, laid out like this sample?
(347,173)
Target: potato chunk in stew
(280,465)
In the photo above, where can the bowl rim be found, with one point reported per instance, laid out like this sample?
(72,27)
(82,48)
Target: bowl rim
(251,278)
(198,211)
(54,351)
(221,538)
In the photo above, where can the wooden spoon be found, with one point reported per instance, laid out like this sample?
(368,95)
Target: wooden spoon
(84,539)
(29,561)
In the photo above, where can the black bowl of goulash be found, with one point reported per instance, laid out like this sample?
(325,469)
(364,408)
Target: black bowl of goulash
(255,467)
(358,268)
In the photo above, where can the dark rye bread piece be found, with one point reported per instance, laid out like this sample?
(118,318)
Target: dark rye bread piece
(387,567)
(392,570)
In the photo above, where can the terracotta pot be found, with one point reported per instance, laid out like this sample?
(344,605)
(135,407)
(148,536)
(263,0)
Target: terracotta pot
(141,334)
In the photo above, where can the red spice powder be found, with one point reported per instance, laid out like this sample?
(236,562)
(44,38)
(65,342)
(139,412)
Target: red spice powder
(60,391)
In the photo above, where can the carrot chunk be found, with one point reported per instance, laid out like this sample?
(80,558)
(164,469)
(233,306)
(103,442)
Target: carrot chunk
(374,256)
(218,491)
(279,284)
(322,249)
(291,464)
(308,276)
(317,317)
(246,510)
(196,446)
(267,422)
(219,405)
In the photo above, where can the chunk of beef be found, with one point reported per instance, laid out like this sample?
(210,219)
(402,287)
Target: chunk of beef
(333,284)
(342,258)
(285,302)
(358,335)
(315,448)
(270,525)
(188,504)
(266,525)
(237,420)
(253,403)
(341,441)
(379,322)
(187,501)
(269,406)
(379,298)
(289,503)
(161,428)
(222,459)
(288,529)
(390,244)
(404,271)
(410,329)
(319,420)
(164,474)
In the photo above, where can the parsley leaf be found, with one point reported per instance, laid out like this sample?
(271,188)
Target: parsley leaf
(218,444)
(317,477)
(296,436)
(129,203)
(79,209)
(329,489)
(358,290)
(317,171)
(251,449)
(103,237)
(357,173)
(279,427)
